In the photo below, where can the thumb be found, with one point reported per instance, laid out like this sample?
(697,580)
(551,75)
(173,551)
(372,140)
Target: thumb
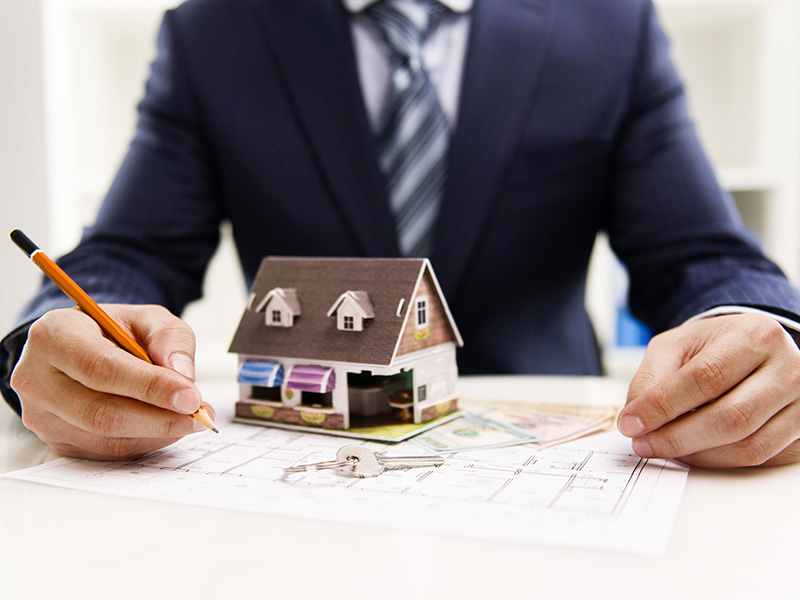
(661,360)
(169,341)
(665,354)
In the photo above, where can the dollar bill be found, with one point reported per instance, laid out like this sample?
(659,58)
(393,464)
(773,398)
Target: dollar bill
(497,424)
(472,431)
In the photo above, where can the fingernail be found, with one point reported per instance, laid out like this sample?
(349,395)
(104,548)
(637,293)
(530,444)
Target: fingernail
(183,364)
(642,448)
(630,426)
(186,401)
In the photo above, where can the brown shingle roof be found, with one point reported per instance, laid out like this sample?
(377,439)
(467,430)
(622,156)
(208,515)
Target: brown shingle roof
(319,282)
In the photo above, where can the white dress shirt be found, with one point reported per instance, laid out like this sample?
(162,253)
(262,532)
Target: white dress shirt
(443,55)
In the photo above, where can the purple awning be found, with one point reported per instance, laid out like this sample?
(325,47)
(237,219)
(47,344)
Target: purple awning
(310,378)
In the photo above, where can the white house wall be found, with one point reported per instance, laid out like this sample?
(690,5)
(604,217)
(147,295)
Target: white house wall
(436,369)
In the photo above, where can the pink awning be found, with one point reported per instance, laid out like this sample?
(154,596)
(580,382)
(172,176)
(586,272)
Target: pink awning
(311,378)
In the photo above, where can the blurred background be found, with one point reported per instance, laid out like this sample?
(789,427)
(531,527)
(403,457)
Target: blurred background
(72,72)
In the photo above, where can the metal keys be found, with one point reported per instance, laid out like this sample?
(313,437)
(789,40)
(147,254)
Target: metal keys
(367,463)
(360,461)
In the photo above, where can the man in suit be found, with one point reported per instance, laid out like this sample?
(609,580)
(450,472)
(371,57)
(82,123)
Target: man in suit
(564,119)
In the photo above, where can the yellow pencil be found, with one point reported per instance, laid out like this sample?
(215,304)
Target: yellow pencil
(90,307)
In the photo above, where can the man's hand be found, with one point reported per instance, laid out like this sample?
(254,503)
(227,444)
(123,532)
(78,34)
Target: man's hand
(84,396)
(717,392)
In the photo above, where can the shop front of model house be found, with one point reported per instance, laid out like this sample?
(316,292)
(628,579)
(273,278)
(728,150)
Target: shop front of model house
(342,343)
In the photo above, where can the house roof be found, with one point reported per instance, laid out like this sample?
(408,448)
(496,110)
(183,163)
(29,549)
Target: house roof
(319,283)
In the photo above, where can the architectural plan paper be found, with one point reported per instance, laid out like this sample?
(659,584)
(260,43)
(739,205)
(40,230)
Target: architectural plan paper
(591,493)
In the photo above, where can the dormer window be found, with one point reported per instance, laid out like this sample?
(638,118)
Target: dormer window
(280,307)
(353,310)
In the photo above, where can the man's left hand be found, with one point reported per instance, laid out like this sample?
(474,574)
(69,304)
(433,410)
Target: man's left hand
(718,392)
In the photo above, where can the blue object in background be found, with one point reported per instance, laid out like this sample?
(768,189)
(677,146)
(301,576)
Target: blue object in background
(630,330)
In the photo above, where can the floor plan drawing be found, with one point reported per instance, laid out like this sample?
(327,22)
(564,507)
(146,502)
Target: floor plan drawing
(592,492)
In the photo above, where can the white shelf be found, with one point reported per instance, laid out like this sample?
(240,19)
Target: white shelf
(748,179)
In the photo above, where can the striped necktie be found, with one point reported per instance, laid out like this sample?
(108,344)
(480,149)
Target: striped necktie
(414,135)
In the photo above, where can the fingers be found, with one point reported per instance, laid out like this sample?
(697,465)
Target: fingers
(773,444)
(684,369)
(735,416)
(98,364)
(718,392)
(84,396)
(692,365)
(169,340)
(110,415)
(73,441)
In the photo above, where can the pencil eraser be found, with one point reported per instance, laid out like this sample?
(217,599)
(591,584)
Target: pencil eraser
(24,242)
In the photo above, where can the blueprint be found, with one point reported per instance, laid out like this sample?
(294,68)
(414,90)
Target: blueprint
(591,493)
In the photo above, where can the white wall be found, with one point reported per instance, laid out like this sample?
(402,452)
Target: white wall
(23,187)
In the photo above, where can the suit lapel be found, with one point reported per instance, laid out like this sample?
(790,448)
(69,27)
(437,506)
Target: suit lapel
(506,49)
(311,42)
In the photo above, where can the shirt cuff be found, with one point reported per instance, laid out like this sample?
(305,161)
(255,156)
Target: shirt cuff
(794,326)
(10,351)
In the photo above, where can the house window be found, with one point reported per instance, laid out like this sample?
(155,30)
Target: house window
(348,323)
(317,400)
(260,392)
(422,312)
(276,316)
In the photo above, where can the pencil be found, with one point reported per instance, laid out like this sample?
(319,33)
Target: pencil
(90,307)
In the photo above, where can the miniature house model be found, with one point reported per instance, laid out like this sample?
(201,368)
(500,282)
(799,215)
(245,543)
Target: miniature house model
(342,343)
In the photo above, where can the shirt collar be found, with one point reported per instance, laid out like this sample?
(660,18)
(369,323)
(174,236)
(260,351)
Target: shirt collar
(457,6)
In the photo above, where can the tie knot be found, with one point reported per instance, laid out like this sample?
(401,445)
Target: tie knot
(404,24)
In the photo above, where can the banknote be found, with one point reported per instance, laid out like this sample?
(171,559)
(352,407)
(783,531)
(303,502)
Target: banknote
(472,431)
(553,423)
(496,424)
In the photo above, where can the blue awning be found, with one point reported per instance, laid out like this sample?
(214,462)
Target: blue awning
(261,372)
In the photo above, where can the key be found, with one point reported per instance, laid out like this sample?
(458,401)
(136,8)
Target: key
(319,466)
(367,463)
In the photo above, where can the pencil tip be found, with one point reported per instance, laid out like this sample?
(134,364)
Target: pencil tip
(215,430)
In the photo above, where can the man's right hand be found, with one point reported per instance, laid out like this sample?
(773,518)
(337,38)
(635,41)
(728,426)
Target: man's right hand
(85,396)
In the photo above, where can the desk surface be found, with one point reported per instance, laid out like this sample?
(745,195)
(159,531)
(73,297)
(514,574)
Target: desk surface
(735,537)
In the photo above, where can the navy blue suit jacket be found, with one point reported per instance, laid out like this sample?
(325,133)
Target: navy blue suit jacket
(572,120)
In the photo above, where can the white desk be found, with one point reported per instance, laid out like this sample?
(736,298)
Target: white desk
(736,537)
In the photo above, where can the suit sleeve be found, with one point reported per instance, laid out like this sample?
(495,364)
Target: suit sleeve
(159,223)
(676,230)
